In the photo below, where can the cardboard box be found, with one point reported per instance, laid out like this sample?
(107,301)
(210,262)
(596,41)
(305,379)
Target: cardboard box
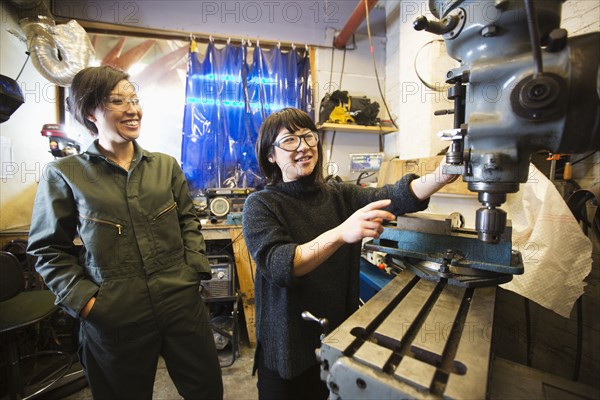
(392,170)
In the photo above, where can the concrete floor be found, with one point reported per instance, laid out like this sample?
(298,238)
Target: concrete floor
(238,381)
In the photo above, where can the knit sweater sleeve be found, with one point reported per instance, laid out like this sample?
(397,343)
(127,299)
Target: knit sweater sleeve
(403,199)
(271,247)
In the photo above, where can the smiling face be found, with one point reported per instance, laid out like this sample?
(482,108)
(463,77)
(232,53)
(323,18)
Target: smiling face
(277,164)
(297,163)
(119,118)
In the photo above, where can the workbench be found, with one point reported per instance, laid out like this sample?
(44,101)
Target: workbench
(245,267)
(21,233)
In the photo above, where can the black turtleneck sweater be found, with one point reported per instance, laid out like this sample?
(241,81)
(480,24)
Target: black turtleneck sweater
(283,216)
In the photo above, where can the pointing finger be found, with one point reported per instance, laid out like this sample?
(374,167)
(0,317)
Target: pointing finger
(379,215)
(376,205)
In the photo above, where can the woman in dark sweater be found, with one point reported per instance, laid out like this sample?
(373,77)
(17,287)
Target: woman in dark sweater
(305,237)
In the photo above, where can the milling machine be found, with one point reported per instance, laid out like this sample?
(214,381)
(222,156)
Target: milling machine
(428,332)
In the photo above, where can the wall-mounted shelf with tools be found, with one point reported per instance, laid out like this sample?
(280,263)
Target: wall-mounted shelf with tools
(328,126)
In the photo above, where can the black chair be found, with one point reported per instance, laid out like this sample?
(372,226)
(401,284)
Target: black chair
(18,248)
(19,311)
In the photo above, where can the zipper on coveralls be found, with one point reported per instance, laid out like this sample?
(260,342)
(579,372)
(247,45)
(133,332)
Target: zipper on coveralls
(102,221)
(166,210)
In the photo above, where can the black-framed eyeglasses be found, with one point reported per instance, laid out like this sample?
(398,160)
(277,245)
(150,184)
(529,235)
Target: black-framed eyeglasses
(292,142)
(121,104)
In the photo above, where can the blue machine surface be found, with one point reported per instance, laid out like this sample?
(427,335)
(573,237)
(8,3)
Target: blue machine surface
(372,280)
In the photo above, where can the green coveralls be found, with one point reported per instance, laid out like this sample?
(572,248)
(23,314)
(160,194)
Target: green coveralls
(142,257)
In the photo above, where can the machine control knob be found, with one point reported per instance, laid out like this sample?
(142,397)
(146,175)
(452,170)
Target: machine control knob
(221,275)
(557,40)
(442,112)
(442,27)
(420,23)
(540,98)
(539,92)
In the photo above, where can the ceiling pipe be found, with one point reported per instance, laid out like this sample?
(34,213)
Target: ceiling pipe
(358,16)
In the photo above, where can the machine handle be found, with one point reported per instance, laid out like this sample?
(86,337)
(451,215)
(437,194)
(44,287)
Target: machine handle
(307,316)
(445,25)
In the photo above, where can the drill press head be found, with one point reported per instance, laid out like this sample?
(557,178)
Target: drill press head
(522,86)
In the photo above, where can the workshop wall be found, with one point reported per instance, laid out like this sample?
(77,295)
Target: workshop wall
(409,51)
(301,22)
(352,70)
(29,150)
(20,135)
(410,103)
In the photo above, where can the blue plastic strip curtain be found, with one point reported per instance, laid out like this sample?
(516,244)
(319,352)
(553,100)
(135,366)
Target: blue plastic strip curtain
(213,116)
(305,89)
(227,101)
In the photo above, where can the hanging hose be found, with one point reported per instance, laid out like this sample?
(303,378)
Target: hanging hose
(57,52)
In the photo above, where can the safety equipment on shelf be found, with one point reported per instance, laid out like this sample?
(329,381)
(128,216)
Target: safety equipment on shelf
(340,108)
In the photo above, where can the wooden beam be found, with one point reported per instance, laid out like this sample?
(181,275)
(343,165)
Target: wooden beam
(246,269)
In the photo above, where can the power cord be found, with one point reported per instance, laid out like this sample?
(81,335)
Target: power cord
(372,50)
(362,175)
(583,158)
(331,146)
(331,70)
(343,67)
(428,85)
(24,64)
(562,167)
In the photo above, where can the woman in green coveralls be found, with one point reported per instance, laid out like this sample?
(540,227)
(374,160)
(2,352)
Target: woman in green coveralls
(305,237)
(134,282)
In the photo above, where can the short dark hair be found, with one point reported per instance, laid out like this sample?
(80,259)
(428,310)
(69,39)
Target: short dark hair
(293,120)
(88,90)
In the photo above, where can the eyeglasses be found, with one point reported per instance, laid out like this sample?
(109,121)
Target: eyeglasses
(293,142)
(118,104)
